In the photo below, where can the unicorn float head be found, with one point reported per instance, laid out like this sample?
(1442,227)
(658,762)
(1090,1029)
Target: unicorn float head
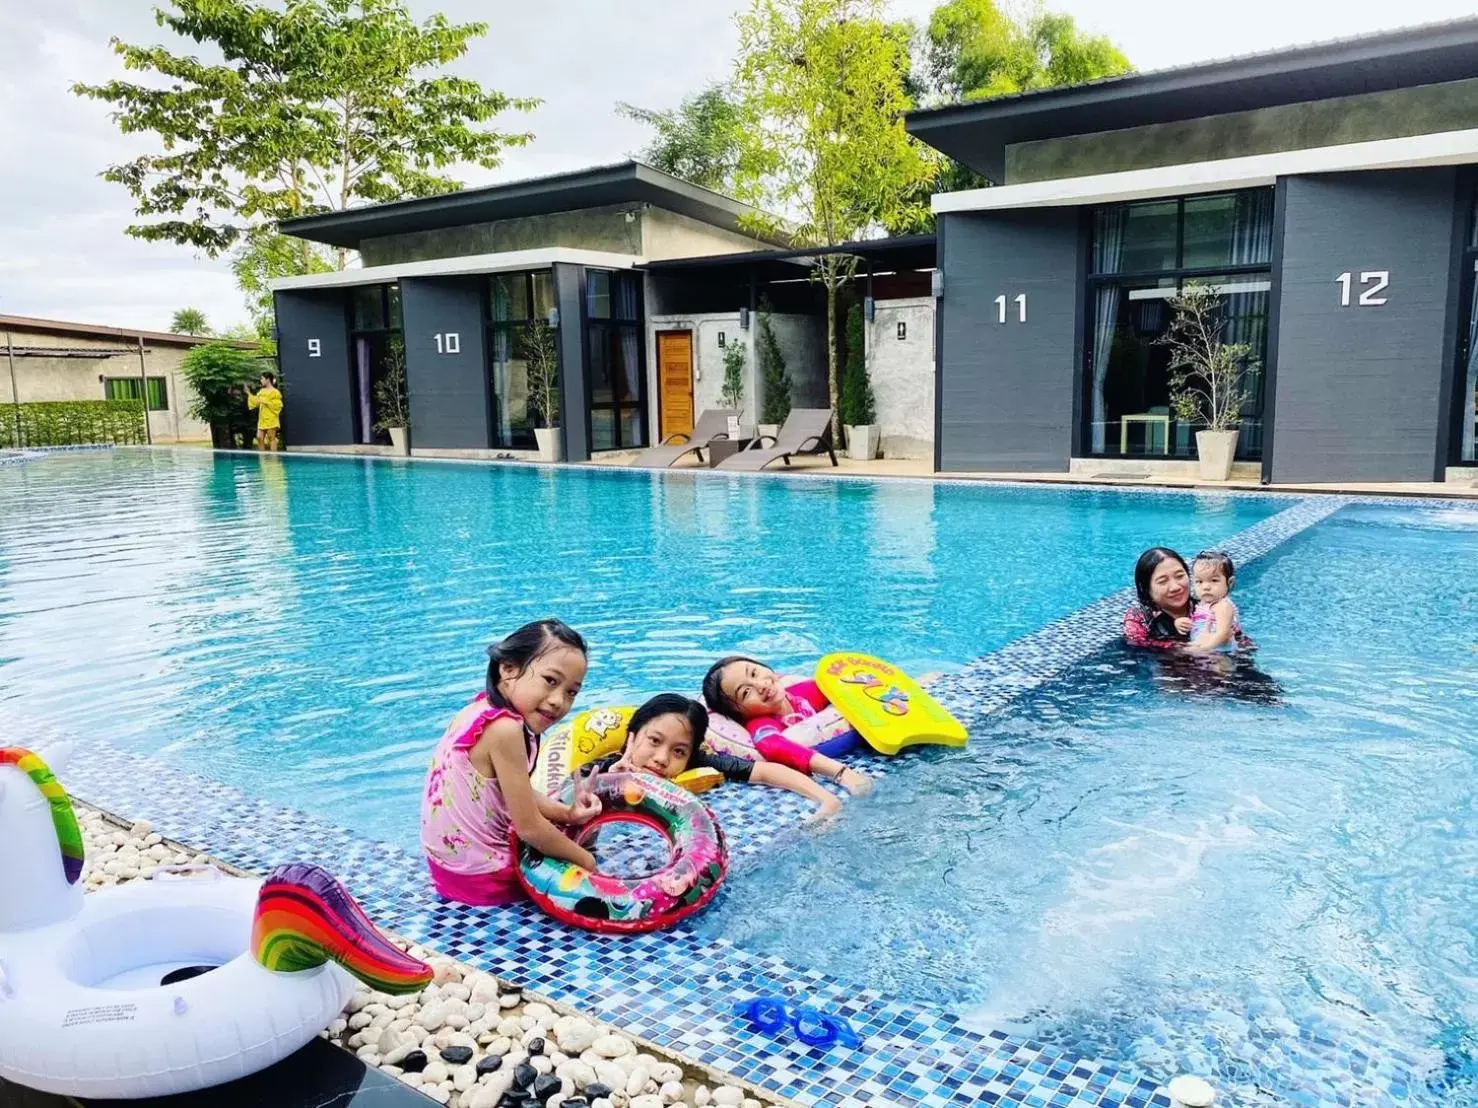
(200,964)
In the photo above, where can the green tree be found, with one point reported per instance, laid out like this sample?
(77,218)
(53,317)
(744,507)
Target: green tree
(218,373)
(775,406)
(264,255)
(541,351)
(699,140)
(189,321)
(975,50)
(857,404)
(822,88)
(732,391)
(315,105)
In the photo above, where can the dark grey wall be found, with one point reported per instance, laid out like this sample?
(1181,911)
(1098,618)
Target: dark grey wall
(1005,393)
(448,392)
(1359,393)
(317,406)
(574,407)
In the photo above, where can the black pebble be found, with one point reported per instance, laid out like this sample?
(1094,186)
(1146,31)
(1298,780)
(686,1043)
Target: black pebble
(490,1064)
(546,1085)
(414,1062)
(513,1098)
(595,1090)
(457,1055)
(574,1102)
(524,1075)
(534,1046)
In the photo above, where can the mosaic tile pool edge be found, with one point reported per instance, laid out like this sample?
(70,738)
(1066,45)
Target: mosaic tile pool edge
(680,998)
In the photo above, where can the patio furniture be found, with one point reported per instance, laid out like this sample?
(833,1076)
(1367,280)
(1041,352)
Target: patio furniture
(807,431)
(1151,421)
(712,426)
(721,450)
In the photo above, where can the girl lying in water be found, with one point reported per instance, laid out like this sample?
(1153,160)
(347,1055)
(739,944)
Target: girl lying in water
(753,694)
(665,737)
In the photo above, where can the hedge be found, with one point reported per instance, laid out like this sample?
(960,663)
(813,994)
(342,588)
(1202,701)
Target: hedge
(72,423)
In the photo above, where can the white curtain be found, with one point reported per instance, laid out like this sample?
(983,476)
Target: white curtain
(362,367)
(1108,250)
(1470,397)
(502,354)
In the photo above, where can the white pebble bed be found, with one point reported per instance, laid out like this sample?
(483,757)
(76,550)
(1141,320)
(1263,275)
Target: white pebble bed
(467,1038)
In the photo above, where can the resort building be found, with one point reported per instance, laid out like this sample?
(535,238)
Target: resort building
(1327,192)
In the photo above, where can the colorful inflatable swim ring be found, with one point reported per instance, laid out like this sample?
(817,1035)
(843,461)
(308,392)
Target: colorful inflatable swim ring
(697,862)
(594,735)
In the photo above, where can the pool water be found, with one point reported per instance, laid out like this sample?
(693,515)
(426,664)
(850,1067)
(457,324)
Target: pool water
(1145,866)
(304,628)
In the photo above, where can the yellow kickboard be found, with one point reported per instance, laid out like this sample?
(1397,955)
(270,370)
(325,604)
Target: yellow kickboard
(597,734)
(886,705)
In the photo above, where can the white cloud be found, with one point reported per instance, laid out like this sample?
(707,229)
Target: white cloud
(65,253)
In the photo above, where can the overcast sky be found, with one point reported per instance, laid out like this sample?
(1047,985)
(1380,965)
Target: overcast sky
(63,251)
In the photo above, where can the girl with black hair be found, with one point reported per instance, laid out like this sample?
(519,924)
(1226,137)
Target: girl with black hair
(665,737)
(479,787)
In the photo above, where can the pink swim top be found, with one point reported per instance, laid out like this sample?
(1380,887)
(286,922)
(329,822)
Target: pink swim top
(1203,625)
(464,817)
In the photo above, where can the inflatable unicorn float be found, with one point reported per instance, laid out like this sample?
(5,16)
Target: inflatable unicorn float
(178,983)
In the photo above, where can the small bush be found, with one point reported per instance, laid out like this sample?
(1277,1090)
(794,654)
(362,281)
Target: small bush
(856,403)
(776,403)
(72,423)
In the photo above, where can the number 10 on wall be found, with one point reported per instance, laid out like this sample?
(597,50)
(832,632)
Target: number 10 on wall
(1020,307)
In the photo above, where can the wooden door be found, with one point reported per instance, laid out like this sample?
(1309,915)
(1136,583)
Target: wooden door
(675,381)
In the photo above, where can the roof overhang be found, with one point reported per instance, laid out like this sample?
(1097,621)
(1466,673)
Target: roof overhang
(604,186)
(472,265)
(904,252)
(1415,152)
(977,133)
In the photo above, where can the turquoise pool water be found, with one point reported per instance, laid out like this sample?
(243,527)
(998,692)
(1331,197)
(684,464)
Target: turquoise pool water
(304,628)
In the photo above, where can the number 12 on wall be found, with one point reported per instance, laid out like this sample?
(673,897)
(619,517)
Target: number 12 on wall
(1020,307)
(1376,280)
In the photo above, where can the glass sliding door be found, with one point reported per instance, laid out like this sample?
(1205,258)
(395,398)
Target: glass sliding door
(516,303)
(374,340)
(1465,443)
(618,392)
(1142,255)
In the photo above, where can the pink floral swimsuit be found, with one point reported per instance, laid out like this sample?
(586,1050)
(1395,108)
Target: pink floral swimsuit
(465,825)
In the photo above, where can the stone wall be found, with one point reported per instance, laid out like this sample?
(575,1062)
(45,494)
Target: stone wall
(1430,109)
(670,235)
(41,378)
(902,375)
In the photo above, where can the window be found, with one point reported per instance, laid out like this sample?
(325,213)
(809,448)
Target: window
(1465,442)
(131,388)
(617,382)
(516,303)
(1142,255)
(375,340)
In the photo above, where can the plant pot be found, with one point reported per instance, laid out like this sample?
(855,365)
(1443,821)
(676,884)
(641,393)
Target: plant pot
(397,440)
(551,446)
(771,429)
(1215,450)
(862,442)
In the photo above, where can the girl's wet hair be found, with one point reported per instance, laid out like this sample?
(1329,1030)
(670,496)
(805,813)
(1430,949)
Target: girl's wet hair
(528,643)
(713,687)
(671,704)
(1221,561)
(1144,570)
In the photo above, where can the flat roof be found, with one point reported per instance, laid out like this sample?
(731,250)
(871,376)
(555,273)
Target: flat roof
(35,325)
(627,182)
(899,252)
(977,133)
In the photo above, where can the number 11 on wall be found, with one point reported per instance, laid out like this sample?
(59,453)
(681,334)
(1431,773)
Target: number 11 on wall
(1020,307)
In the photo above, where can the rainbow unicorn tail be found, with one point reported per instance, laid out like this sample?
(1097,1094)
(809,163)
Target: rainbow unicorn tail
(305,917)
(63,818)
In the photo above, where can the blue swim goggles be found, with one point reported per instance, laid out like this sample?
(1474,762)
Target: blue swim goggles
(770,1016)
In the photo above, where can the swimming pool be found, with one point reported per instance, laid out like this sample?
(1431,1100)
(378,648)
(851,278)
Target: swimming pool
(1137,869)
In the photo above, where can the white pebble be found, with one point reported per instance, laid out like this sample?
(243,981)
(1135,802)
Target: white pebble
(577,1073)
(728,1095)
(701,1096)
(511,1028)
(636,1081)
(414,1080)
(457,1020)
(395,1003)
(512,1000)
(515,1056)
(141,828)
(613,1046)
(541,1064)
(484,989)
(665,1072)
(671,1092)
(431,1017)
(435,1072)
(463,1078)
(575,1037)
(370,1055)
(360,1020)
(1189,1091)
(476,1011)
(600,1102)
(500,1045)
(456,990)
(394,1057)
(646,1101)
(750,1102)
(610,1075)
(439,1093)
(541,1012)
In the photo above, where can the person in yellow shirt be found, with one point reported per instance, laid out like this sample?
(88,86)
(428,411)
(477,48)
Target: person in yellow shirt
(267,403)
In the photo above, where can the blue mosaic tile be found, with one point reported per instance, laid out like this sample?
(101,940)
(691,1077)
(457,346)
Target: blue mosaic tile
(678,991)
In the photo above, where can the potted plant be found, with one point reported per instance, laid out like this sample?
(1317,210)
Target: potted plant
(1208,376)
(731,392)
(391,398)
(858,408)
(775,405)
(542,357)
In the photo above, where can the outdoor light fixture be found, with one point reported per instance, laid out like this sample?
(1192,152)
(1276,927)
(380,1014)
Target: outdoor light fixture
(936,283)
(902,330)
(723,339)
(869,308)
(744,319)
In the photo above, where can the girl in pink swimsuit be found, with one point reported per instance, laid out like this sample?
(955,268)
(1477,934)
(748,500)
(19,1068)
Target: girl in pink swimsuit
(479,788)
(751,693)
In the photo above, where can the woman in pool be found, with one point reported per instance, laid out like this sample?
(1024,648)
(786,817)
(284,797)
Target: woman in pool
(752,694)
(666,735)
(1161,618)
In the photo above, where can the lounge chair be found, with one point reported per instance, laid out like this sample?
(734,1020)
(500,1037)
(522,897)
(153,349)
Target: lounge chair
(807,431)
(712,424)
